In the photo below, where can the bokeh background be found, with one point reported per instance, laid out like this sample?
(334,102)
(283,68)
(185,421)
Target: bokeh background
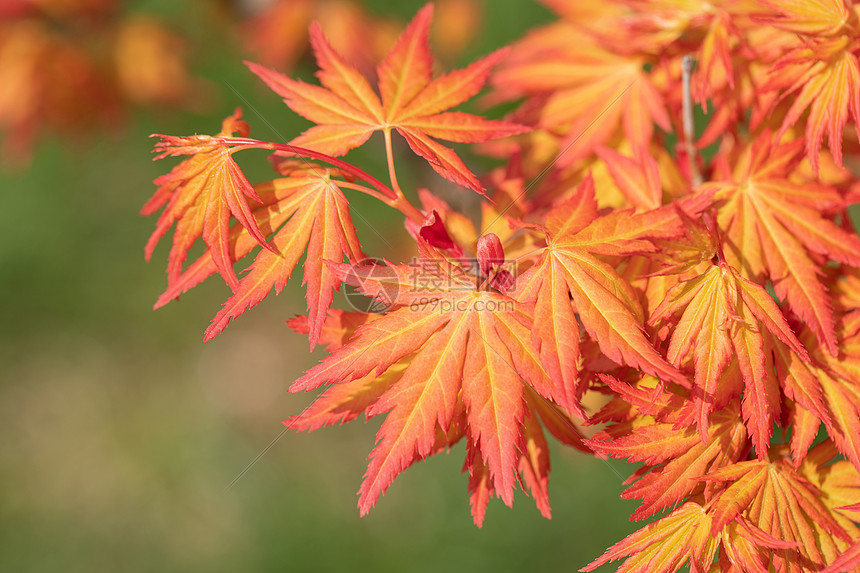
(121,431)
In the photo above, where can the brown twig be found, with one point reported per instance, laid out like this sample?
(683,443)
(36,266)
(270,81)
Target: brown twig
(687,66)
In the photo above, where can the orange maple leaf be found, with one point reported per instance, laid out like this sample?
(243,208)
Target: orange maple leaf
(348,111)
(569,279)
(572,88)
(839,484)
(779,229)
(241,242)
(687,534)
(201,194)
(344,401)
(674,455)
(783,503)
(822,73)
(469,358)
(722,317)
(314,214)
(827,390)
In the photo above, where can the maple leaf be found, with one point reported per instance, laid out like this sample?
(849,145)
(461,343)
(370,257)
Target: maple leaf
(776,228)
(826,18)
(200,194)
(687,534)
(722,319)
(674,455)
(241,242)
(469,352)
(580,90)
(827,390)
(781,502)
(822,72)
(306,209)
(637,178)
(348,111)
(839,484)
(569,280)
(847,562)
(315,215)
(341,403)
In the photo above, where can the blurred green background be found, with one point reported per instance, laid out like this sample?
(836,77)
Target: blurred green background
(122,430)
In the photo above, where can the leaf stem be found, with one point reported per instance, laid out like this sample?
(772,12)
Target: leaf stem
(401,203)
(288,149)
(389,156)
(404,206)
(392,197)
(366,190)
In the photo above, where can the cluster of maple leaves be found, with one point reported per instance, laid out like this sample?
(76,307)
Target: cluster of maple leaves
(689,303)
